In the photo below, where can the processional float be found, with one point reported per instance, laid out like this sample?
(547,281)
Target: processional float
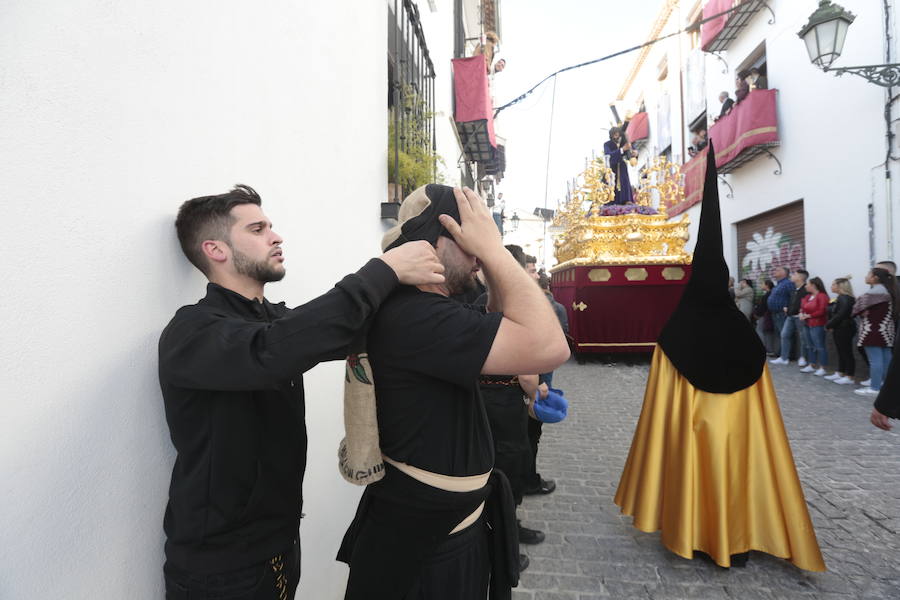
(621,269)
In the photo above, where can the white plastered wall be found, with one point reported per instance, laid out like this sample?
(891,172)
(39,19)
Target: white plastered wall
(113,114)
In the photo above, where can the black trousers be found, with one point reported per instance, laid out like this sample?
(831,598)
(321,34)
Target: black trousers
(273,579)
(843,341)
(459,569)
(508,417)
(535,429)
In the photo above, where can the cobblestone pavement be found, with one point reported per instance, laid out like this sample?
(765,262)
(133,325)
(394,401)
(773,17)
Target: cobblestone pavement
(850,473)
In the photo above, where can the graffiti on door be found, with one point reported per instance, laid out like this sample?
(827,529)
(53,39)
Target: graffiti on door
(765,252)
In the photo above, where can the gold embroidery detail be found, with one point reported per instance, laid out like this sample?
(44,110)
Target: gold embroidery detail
(281,582)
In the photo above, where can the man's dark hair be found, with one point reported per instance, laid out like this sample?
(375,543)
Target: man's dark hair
(769,284)
(209,218)
(530,259)
(544,281)
(803,272)
(517,253)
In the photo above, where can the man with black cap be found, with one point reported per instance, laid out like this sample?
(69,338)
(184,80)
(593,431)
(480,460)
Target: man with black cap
(231,372)
(420,532)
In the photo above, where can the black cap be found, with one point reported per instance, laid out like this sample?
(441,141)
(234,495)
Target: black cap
(707,338)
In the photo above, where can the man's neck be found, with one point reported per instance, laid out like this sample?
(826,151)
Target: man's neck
(435,288)
(246,287)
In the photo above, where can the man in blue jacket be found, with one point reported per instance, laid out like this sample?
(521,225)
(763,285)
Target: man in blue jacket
(780,298)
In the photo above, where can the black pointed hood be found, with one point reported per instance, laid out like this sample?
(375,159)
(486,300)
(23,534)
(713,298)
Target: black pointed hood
(707,338)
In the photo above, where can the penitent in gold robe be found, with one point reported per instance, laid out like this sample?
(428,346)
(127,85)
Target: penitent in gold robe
(715,473)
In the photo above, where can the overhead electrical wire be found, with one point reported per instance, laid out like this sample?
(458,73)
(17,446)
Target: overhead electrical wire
(692,27)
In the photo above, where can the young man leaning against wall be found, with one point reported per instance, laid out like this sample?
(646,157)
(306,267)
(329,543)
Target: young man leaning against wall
(231,371)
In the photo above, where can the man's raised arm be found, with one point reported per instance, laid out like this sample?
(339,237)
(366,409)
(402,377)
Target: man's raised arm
(530,339)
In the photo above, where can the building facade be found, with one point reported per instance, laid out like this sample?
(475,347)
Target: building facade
(802,163)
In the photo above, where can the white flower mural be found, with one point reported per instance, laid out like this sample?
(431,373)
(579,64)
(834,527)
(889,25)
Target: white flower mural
(762,250)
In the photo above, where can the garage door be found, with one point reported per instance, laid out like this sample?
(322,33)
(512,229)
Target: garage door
(772,239)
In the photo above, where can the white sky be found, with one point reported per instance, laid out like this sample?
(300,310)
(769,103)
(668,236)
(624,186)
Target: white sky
(539,37)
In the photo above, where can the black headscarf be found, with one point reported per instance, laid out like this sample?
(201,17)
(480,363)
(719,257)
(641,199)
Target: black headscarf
(707,338)
(419,214)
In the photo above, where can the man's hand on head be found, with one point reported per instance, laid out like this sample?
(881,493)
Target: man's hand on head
(477,233)
(415,263)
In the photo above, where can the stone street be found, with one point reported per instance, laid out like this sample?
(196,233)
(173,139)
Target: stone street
(849,469)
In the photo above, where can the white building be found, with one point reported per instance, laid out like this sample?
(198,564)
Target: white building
(825,186)
(113,114)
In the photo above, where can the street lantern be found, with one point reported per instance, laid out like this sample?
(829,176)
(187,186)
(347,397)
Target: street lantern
(515,221)
(824,37)
(825,33)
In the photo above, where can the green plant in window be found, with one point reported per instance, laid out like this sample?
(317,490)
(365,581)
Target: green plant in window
(417,163)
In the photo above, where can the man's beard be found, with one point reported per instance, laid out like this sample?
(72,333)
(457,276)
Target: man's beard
(459,281)
(259,270)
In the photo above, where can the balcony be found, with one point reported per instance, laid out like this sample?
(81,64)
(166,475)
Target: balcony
(638,130)
(749,130)
(717,35)
(474,111)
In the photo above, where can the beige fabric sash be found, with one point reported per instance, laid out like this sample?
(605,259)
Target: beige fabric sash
(447,483)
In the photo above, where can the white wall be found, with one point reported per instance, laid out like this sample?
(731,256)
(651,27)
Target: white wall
(113,114)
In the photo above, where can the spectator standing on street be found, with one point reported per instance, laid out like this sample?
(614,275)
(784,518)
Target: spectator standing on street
(877,327)
(507,412)
(558,308)
(843,327)
(731,288)
(743,297)
(534,483)
(813,314)
(779,299)
(792,323)
(765,328)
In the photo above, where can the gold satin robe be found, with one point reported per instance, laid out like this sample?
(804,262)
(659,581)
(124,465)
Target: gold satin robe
(715,473)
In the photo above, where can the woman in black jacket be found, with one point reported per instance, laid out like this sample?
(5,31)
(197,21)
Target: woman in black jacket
(843,327)
(763,317)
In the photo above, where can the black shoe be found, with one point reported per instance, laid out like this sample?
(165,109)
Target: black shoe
(546,486)
(530,536)
(523,562)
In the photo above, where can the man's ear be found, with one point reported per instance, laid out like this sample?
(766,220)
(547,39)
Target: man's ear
(216,251)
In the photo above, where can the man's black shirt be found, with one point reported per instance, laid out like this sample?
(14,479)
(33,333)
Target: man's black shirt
(230,369)
(427,352)
(796,297)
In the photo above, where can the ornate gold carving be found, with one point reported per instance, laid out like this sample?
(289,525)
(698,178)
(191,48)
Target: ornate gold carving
(599,275)
(636,274)
(580,306)
(591,239)
(673,273)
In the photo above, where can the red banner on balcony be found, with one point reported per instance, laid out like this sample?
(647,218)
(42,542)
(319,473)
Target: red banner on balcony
(473,98)
(638,127)
(750,123)
(694,172)
(711,29)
